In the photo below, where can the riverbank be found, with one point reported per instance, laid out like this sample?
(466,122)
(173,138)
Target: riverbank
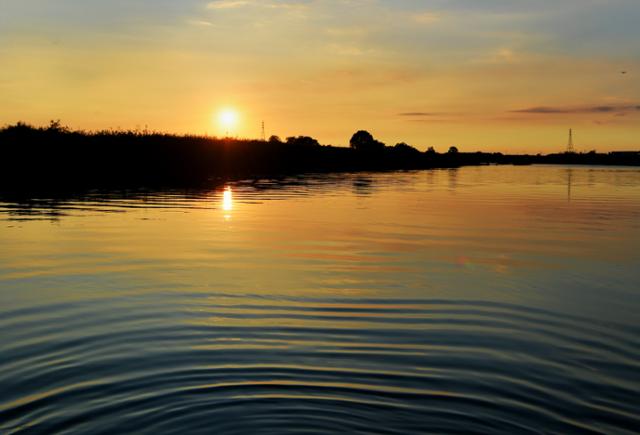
(58,159)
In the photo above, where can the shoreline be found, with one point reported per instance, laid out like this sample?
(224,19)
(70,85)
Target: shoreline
(57,160)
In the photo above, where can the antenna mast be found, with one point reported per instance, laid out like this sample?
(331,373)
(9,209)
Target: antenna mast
(570,149)
(263,135)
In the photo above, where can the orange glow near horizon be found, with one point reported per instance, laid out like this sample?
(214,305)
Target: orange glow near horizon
(228,120)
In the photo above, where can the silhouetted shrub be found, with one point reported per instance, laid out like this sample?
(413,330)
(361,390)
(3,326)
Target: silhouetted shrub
(363,141)
(55,126)
(302,141)
(405,149)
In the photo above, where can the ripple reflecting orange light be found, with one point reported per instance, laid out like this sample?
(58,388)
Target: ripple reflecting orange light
(227,199)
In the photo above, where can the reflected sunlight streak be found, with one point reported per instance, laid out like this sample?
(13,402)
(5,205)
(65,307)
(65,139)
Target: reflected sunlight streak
(227,199)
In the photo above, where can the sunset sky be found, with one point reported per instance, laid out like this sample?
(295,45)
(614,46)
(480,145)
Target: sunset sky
(495,75)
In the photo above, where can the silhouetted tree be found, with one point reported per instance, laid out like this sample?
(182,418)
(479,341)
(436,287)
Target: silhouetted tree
(55,126)
(453,150)
(405,149)
(431,150)
(19,127)
(363,141)
(302,141)
(275,139)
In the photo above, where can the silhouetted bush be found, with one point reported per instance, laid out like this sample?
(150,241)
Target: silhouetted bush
(303,141)
(363,141)
(406,149)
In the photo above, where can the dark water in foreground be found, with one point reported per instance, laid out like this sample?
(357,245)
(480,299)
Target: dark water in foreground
(478,300)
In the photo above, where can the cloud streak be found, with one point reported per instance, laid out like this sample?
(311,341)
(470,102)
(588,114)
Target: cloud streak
(418,114)
(426,17)
(595,109)
(236,4)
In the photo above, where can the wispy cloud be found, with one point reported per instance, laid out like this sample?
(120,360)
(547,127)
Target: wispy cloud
(201,23)
(426,17)
(550,110)
(346,49)
(504,55)
(275,4)
(429,117)
(227,4)
(418,114)
(347,32)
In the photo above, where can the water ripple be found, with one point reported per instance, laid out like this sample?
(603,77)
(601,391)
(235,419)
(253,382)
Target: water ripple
(428,363)
(479,300)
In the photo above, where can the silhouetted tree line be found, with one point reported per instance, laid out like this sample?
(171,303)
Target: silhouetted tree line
(56,157)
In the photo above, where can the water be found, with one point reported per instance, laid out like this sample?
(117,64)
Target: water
(478,300)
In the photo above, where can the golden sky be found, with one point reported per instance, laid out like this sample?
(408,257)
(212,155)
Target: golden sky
(491,75)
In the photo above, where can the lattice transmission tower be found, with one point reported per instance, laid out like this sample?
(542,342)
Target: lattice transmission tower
(570,148)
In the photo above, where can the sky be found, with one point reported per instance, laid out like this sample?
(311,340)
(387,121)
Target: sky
(489,75)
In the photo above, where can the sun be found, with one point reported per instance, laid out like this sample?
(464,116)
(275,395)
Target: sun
(228,119)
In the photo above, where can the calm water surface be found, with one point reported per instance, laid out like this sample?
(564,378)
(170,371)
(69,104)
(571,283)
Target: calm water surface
(479,300)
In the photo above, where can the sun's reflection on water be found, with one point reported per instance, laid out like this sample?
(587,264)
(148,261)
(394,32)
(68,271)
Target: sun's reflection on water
(227,202)
(227,199)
